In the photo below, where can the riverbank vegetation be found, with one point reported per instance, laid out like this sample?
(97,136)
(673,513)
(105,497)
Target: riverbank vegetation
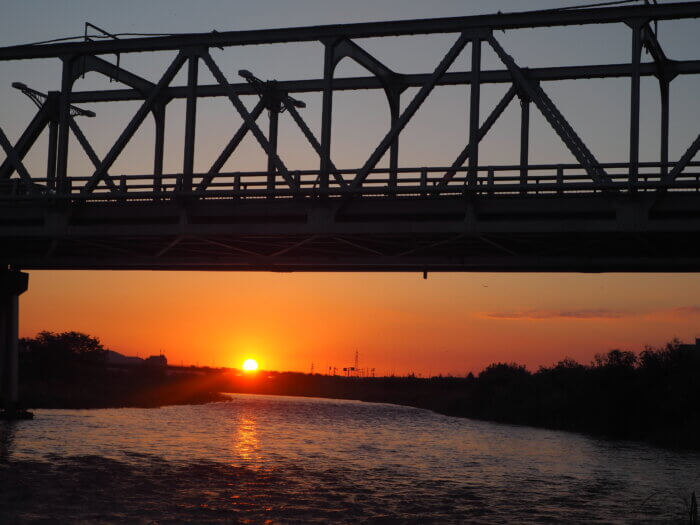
(653,396)
(71,370)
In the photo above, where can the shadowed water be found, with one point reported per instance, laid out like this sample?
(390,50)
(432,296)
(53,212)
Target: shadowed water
(281,459)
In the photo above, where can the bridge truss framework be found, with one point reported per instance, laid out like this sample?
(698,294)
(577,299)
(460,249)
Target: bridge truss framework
(584,216)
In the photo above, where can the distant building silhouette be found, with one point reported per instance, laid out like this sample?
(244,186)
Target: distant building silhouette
(115,358)
(156,361)
(694,346)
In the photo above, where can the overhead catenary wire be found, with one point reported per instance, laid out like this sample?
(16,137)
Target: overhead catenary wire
(98,36)
(596,4)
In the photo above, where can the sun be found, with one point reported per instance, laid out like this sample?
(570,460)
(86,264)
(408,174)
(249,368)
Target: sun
(250,365)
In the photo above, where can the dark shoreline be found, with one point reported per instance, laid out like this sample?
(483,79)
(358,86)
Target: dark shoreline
(669,441)
(653,396)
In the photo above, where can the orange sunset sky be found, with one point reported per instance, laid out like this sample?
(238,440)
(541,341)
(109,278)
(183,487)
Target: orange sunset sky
(400,323)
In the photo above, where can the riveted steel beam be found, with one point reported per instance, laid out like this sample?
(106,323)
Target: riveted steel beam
(500,21)
(688,67)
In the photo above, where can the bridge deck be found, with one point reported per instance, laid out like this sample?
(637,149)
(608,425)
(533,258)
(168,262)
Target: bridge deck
(538,228)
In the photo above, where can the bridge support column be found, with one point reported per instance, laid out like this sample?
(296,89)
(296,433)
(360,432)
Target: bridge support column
(12,285)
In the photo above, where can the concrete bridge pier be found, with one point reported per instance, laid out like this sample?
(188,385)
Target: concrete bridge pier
(12,284)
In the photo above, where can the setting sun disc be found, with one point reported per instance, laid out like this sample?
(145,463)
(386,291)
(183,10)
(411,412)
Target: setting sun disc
(250,365)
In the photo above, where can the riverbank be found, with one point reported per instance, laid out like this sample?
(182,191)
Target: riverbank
(467,398)
(653,396)
(503,401)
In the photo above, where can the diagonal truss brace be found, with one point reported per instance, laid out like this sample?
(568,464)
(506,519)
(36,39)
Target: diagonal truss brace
(28,138)
(412,108)
(148,105)
(230,148)
(244,129)
(682,163)
(311,138)
(483,131)
(48,113)
(294,246)
(549,110)
(15,160)
(93,63)
(247,118)
(89,151)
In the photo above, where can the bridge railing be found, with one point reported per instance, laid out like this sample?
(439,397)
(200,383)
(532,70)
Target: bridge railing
(495,180)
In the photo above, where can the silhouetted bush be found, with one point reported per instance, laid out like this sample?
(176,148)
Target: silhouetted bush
(70,370)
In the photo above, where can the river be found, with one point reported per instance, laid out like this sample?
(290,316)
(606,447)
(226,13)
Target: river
(259,459)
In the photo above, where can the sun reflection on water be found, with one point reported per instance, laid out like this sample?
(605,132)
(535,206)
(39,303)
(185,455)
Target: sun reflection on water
(247,443)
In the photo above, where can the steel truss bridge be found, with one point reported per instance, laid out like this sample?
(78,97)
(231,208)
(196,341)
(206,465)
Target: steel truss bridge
(460,216)
(584,216)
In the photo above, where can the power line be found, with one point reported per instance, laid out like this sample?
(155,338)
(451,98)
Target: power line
(597,4)
(97,37)
(114,35)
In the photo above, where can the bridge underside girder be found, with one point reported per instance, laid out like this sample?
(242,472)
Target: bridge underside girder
(588,233)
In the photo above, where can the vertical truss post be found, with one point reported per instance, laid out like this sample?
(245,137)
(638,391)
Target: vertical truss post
(190,121)
(560,179)
(524,140)
(475,92)
(395,109)
(272,138)
(664,73)
(664,86)
(51,161)
(53,100)
(326,112)
(123,188)
(634,104)
(64,124)
(159,118)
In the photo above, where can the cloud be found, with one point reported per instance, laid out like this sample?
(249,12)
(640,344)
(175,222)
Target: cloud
(684,311)
(559,314)
(596,314)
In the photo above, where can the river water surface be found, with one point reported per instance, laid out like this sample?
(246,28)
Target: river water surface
(261,459)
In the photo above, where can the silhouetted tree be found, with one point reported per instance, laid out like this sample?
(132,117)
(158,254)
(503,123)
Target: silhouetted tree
(66,345)
(59,355)
(616,359)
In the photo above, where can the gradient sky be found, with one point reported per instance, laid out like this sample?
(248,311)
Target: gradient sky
(400,323)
